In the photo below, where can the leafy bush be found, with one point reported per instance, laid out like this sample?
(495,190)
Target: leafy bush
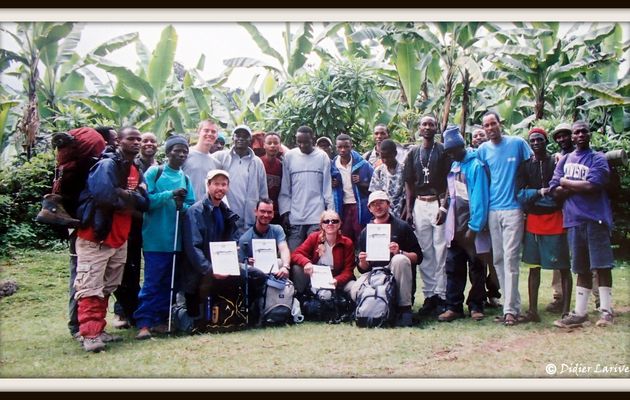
(340,97)
(22,186)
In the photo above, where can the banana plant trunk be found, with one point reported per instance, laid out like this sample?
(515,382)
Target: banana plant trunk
(465,100)
(448,95)
(29,125)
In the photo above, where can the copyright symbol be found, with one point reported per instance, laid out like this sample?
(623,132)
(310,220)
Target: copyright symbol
(551,369)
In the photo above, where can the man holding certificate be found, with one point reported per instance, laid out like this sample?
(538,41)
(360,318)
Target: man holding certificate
(389,241)
(209,226)
(260,244)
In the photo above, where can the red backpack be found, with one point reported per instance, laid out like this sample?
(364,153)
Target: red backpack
(77,151)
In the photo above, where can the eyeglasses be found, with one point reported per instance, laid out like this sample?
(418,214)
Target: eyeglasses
(330,221)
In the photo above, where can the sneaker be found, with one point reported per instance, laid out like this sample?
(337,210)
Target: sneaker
(572,320)
(107,338)
(477,315)
(605,319)
(404,319)
(120,322)
(449,315)
(555,306)
(143,334)
(94,344)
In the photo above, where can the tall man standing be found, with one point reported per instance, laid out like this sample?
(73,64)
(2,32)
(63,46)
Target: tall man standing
(425,171)
(351,176)
(306,189)
(199,161)
(249,181)
(503,155)
(581,176)
(114,189)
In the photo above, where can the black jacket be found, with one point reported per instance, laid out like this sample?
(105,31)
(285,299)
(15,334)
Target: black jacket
(197,235)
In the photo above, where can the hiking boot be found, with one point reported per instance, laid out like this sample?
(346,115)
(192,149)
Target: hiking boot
(94,344)
(77,336)
(449,315)
(572,320)
(477,315)
(120,322)
(605,319)
(555,306)
(429,305)
(143,334)
(53,213)
(108,338)
(404,319)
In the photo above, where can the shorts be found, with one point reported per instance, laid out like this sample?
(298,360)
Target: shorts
(548,251)
(590,248)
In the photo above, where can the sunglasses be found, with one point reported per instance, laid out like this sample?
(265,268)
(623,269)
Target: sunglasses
(330,221)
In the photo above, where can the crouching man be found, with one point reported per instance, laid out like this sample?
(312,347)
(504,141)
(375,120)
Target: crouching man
(405,253)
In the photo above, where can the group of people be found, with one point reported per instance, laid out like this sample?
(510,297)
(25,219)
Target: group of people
(451,208)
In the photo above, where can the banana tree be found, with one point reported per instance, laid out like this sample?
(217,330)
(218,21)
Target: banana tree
(43,47)
(548,65)
(148,97)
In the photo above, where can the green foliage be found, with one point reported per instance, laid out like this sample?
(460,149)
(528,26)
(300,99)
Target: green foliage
(340,97)
(22,186)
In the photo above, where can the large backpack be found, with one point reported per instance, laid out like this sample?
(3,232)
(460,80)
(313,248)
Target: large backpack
(276,303)
(77,151)
(327,305)
(376,299)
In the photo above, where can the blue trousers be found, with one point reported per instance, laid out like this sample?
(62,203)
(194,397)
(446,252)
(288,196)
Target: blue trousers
(156,289)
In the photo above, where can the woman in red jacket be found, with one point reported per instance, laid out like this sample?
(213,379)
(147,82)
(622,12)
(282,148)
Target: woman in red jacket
(325,247)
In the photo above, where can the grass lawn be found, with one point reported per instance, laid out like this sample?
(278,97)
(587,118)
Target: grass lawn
(35,343)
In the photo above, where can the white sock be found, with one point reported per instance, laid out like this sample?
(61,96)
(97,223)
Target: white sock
(581,300)
(605,298)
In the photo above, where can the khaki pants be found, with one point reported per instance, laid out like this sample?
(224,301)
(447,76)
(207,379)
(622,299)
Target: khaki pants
(99,268)
(400,266)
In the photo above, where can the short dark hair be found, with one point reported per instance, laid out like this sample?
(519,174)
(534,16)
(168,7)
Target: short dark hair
(344,136)
(381,125)
(104,131)
(496,115)
(306,129)
(388,145)
(273,134)
(264,200)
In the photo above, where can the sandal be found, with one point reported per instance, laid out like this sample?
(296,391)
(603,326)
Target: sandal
(509,320)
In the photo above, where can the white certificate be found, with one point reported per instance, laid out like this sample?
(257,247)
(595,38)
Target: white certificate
(264,253)
(322,277)
(224,258)
(377,239)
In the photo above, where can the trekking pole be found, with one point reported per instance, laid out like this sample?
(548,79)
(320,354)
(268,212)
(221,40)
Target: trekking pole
(246,293)
(170,303)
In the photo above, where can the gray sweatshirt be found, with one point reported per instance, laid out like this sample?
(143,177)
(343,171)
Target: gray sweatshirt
(306,189)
